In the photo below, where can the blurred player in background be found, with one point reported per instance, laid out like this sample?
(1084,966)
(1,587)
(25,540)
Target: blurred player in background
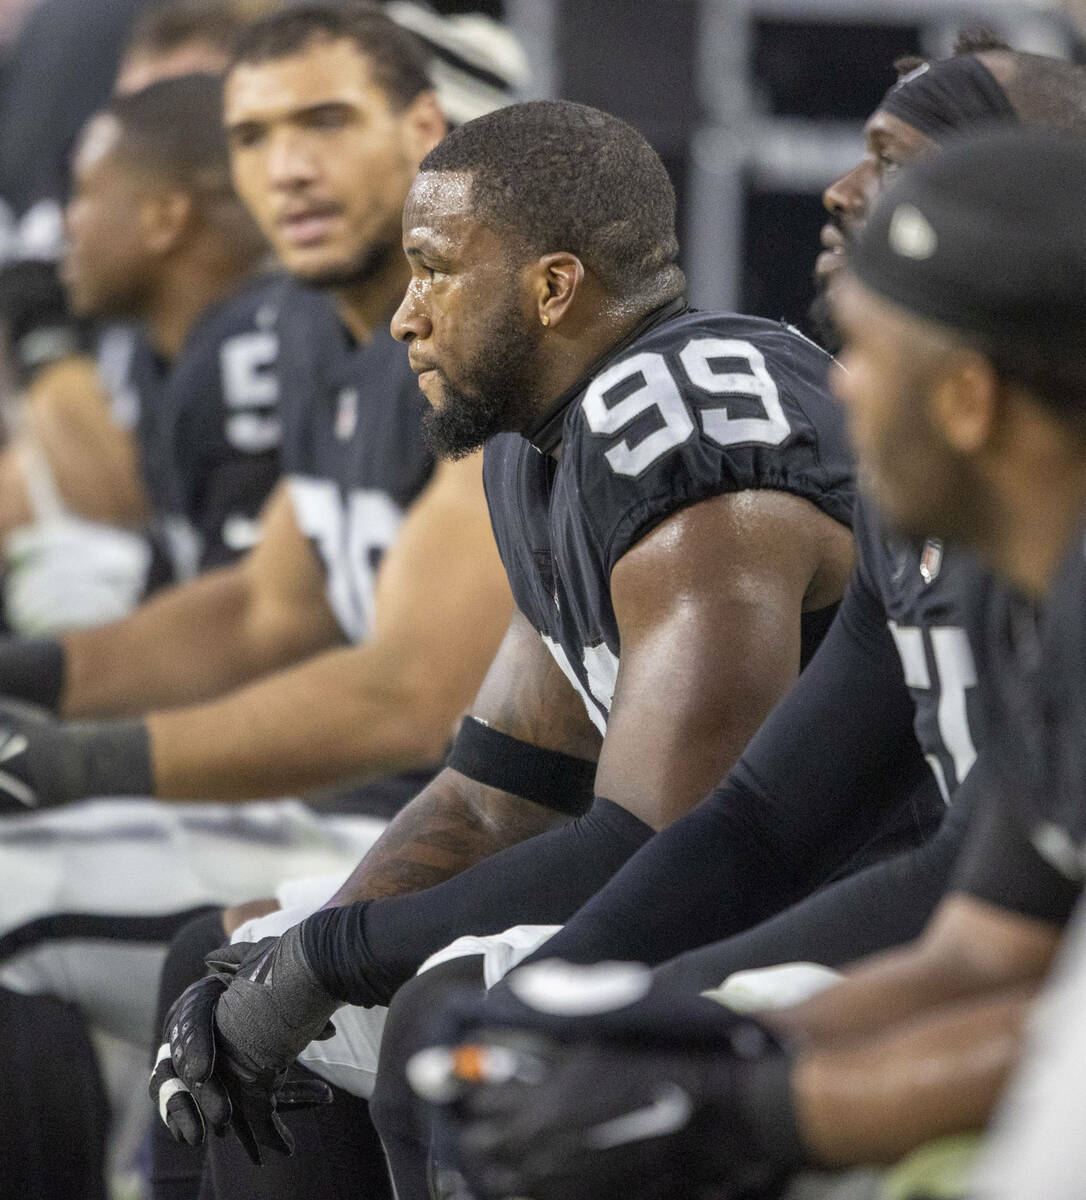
(373,557)
(73,499)
(156,234)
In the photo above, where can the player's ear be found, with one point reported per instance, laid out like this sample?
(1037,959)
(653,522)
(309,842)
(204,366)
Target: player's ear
(425,124)
(164,219)
(965,402)
(558,278)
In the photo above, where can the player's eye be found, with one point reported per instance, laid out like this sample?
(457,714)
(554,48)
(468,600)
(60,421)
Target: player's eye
(333,116)
(246,135)
(888,165)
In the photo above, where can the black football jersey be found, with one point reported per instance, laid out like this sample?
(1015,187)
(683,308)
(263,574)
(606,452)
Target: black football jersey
(920,589)
(207,424)
(353,450)
(692,405)
(1034,664)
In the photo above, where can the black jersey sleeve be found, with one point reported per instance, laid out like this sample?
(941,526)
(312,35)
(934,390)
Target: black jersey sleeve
(833,759)
(1001,864)
(704,405)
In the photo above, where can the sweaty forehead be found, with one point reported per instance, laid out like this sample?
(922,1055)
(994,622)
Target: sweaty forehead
(438,207)
(438,194)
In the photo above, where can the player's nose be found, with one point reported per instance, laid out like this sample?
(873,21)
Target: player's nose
(409,321)
(289,161)
(847,196)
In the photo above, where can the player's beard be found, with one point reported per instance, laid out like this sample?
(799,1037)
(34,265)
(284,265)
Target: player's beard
(820,320)
(501,398)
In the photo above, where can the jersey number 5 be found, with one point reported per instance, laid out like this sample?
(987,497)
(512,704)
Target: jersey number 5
(643,382)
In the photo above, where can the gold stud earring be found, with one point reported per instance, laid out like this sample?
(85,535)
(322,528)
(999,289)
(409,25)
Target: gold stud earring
(545,319)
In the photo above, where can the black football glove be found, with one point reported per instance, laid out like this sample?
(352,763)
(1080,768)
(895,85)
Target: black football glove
(45,762)
(251,1110)
(644,1094)
(232,1038)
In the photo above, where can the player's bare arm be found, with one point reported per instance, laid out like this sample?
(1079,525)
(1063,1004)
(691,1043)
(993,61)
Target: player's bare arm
(456,821)
(709,607)
(92,461)
(710,636)
(388,703)
(217,632)
(874,1101)
(970,948)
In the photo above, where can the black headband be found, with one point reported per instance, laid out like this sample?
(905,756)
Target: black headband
(941,99)
(987,238)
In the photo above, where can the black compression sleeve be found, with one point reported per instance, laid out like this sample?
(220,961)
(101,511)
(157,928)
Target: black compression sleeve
(831,760)
(884,906)
(32,669)
(363,952)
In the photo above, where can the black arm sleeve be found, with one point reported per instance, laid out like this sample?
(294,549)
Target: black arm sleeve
(815,784)
(363,952)
(1001,866)
(883,906)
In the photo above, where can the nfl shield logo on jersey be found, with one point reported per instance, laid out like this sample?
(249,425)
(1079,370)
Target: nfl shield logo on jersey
(346,414)
(931,559)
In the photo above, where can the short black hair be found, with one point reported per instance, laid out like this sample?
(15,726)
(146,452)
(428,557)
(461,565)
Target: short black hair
(397,58)
(166,27)
(563,176)
(172,129)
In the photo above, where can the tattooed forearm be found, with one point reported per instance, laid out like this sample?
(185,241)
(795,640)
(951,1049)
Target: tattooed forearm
(450,825)
(455,822)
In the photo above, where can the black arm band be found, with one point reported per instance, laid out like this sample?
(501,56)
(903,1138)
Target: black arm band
(32,669)
(548,777)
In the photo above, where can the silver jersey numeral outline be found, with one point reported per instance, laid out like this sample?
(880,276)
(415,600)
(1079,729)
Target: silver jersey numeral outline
(658,390)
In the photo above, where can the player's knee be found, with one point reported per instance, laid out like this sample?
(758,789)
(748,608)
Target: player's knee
(410,1017)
